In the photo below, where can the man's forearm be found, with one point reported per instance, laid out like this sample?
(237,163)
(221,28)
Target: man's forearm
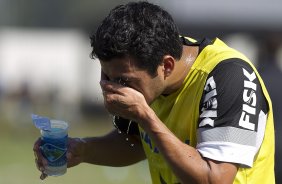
(113,149)
(184,160)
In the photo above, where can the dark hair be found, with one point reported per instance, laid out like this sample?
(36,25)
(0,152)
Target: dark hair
(139,30)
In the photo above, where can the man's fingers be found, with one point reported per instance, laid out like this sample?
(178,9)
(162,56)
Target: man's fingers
(43,176)
(114,102)
(40,161)
(110,87)
(36,145)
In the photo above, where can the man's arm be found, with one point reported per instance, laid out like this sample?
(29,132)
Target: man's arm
(186,162)
(114,149)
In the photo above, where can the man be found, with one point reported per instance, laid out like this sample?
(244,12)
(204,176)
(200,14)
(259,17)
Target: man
(202,111)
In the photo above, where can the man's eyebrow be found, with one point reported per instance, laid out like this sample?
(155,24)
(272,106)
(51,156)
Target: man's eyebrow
(126,78)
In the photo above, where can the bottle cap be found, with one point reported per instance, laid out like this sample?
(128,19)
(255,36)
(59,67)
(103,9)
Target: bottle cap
(42,123)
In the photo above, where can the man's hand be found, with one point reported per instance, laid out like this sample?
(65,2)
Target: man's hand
(40,161)
(123,101)
(74,155)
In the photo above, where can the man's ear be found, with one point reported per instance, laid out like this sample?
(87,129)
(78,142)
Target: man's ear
(168,65)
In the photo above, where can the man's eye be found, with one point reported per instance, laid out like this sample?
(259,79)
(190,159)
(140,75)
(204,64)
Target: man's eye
(122,81)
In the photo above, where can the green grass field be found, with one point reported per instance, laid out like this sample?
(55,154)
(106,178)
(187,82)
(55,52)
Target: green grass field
(17,164)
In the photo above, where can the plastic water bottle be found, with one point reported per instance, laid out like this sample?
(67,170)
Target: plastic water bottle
(54,147)
(54,136)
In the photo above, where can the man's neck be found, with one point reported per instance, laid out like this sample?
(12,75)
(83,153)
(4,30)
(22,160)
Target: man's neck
(181,68)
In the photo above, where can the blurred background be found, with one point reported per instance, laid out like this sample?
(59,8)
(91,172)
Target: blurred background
(45,69)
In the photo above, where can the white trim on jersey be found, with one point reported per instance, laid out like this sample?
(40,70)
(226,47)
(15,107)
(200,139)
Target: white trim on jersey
(228,152)
(231,144)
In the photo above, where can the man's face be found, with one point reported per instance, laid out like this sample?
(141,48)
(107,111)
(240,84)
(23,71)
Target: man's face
(125,72)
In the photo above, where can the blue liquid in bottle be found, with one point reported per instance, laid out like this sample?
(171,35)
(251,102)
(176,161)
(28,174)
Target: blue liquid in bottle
(54,147)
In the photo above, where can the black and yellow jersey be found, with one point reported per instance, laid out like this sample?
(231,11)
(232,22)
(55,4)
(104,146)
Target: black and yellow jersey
(223,110)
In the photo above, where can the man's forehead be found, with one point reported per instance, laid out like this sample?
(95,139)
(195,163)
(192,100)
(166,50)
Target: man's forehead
(119,67)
